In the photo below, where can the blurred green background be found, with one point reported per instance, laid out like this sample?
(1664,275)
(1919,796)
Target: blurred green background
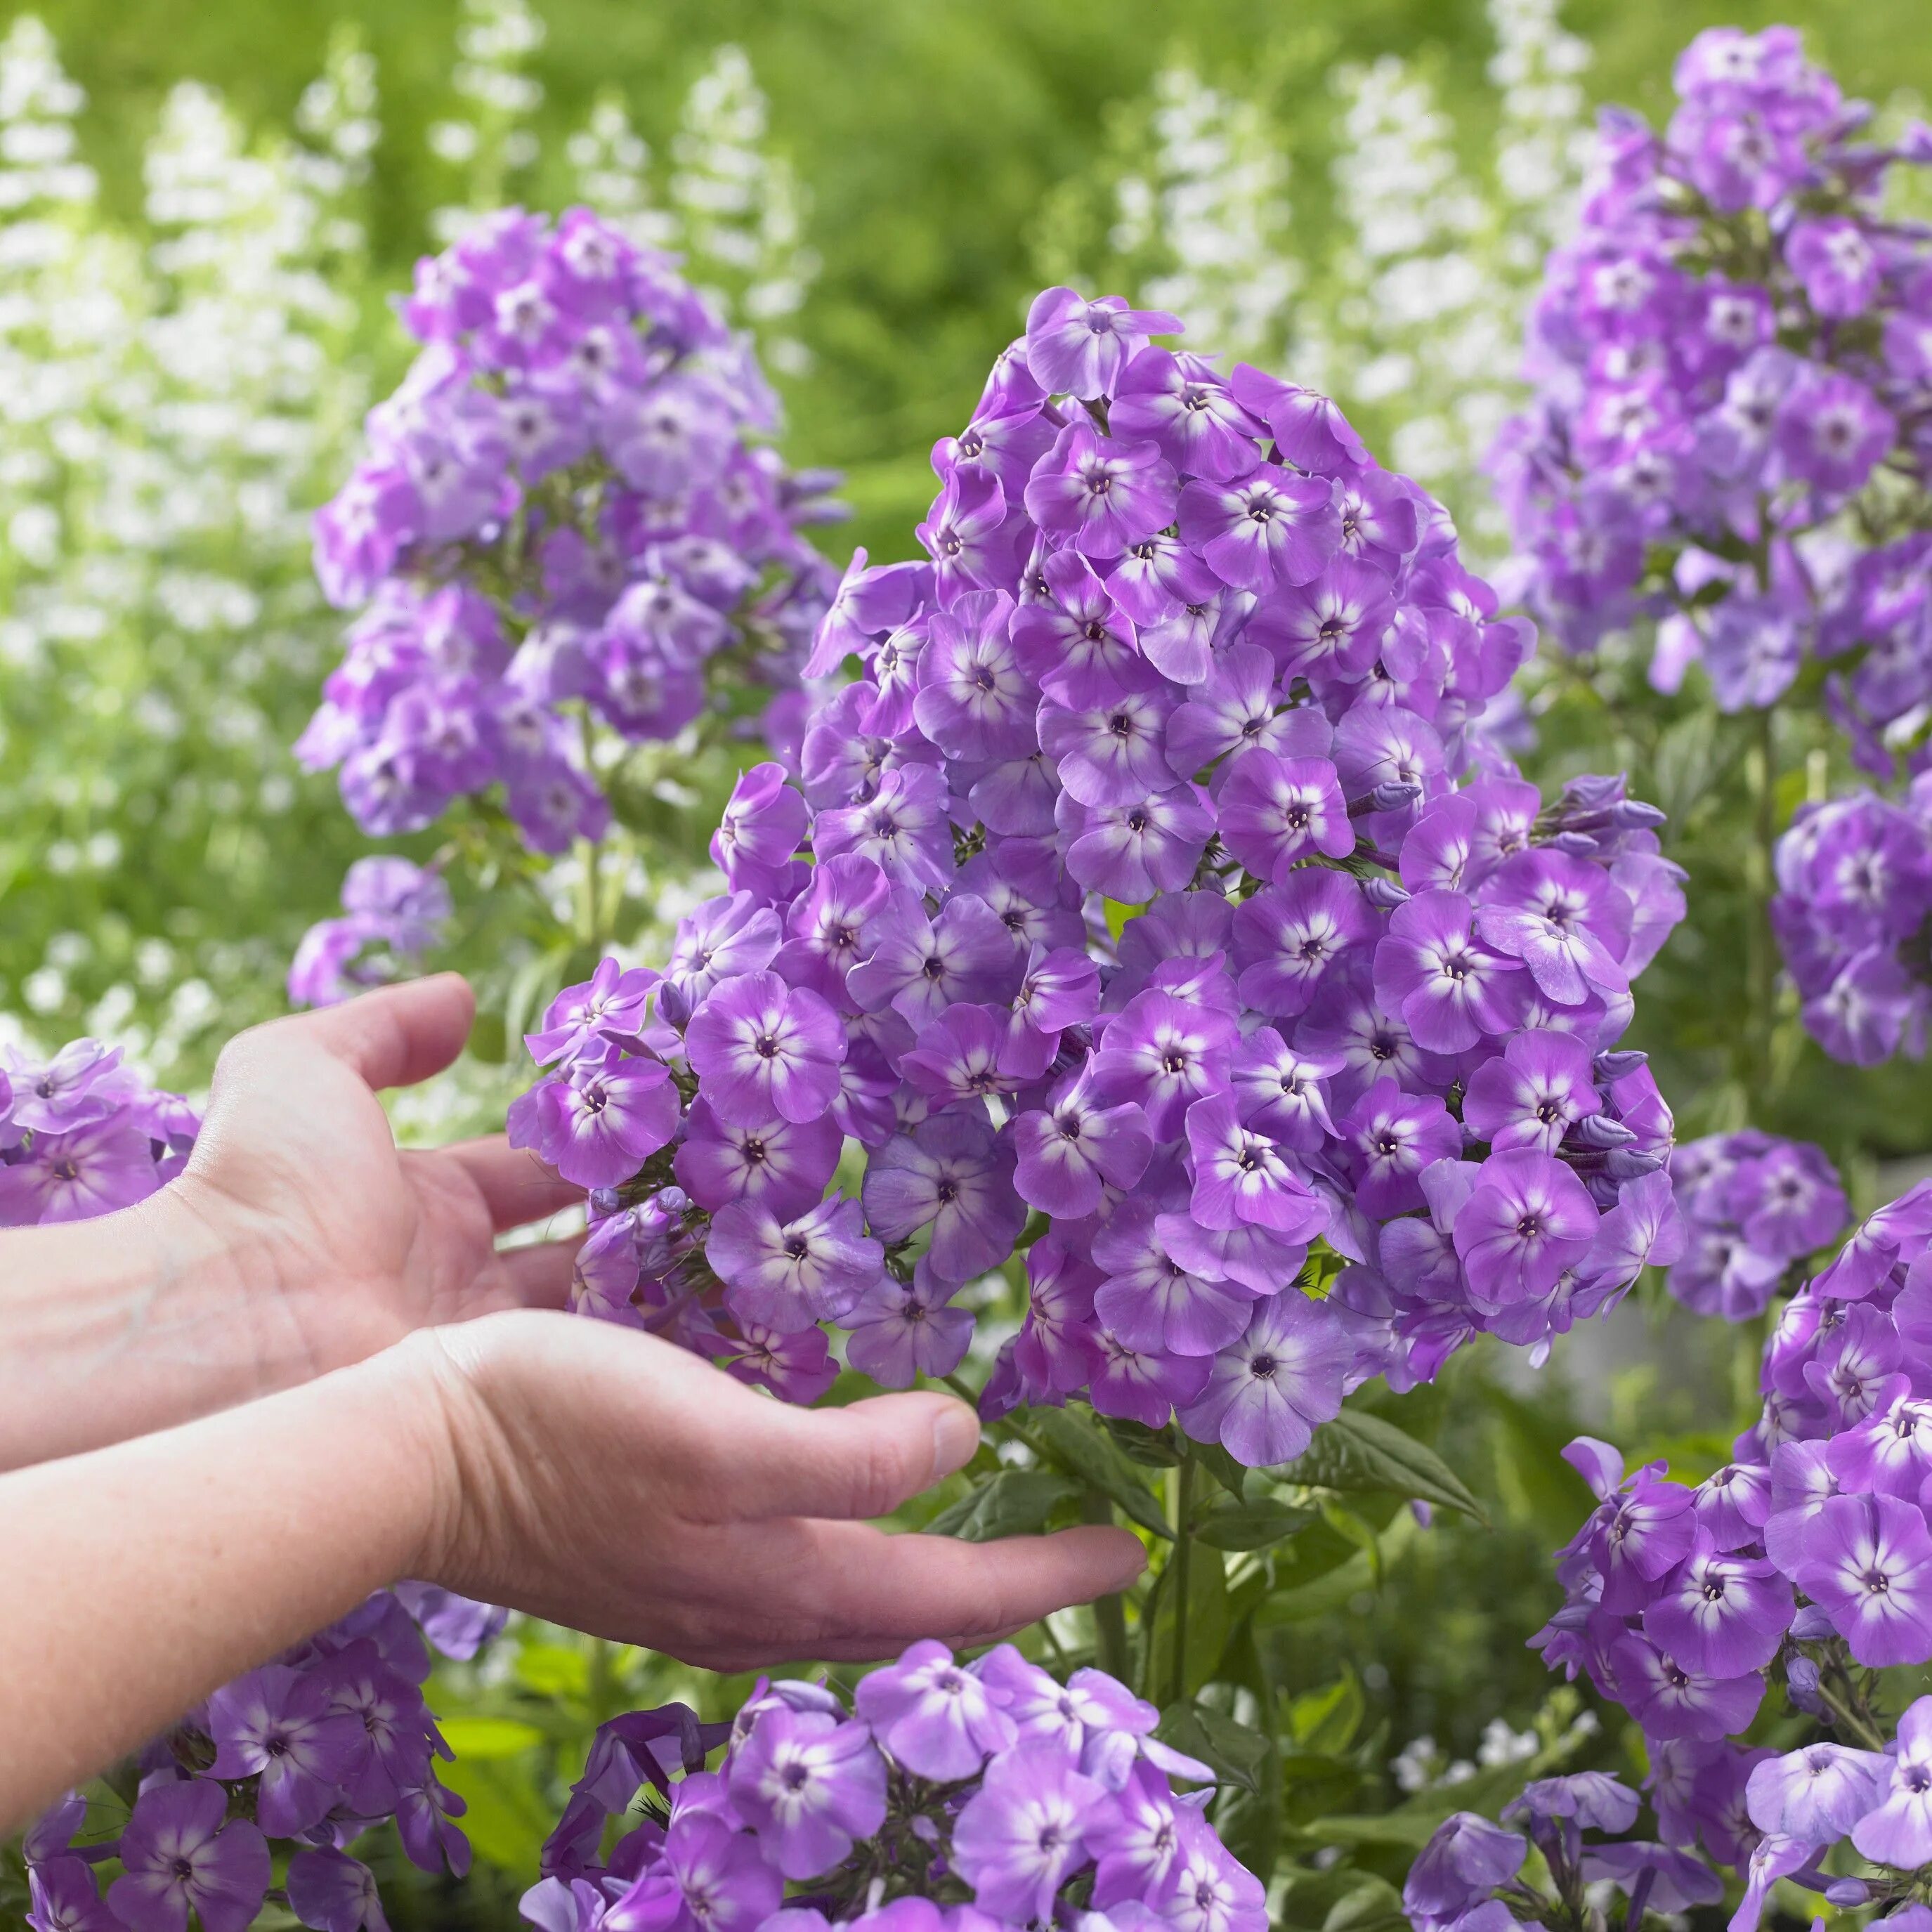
(928,134)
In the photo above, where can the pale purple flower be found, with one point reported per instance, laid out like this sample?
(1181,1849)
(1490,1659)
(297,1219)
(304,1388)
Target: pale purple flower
(1898,1831)
(1022,1833)
(600,1121)
(1266,526)
(1816,1794)
(764,1049)
(1097,493)
(1451,988)
(1276,812)
(180,1851)
(1081,346)
(933,1716)
(790,1275)
(1391,1137)
(1268,1392)
(899,1330)
(1070,1151)
(1527,1218)
(808,1786)
(949,1174)
(1867,1561)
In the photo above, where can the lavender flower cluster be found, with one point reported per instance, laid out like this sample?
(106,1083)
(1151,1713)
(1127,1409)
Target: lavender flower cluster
(1853,917)
(1733,423)
(394,912)
(81,1134)
(1754,1205)
(303,1755)
(1146,928)
(562,502)
(1470,1875)
(1805,1565)
(949,1797)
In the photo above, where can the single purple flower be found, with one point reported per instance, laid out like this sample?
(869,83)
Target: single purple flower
(950,1174)
(1527,1219)
(763,1049)
(1081,347)
(791,1275)
(933,1716)
(600,1121)
(808,1786)
(1021,1835)
(1867,1561)
(1268,1392)
(181,1851)
(899,1330)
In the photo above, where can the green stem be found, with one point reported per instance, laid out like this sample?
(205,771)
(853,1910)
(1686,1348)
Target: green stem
(602,1680)
(1760,950)
(1110,1612)
(1867,1733)
(1183,1549)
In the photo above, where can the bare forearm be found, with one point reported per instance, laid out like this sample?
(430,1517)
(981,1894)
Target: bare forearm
(141,1577)
(132,1322)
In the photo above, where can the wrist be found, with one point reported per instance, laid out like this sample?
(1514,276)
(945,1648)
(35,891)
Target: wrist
(119,1325)
(435,1380)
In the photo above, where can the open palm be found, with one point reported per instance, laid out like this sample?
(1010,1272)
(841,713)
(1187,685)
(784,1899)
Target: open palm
(335,1229)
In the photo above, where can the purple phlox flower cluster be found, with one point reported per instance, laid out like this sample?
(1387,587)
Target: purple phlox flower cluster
(566,506)
(1754,1206)
(1805,1564)
(1853,917)
(1470,1875)
(1152,895)
(393,912)
(945,1797)
(309,1752)
(82,1134)
(1732,425)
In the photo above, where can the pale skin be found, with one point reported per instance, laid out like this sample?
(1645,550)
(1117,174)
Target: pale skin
(327,1379)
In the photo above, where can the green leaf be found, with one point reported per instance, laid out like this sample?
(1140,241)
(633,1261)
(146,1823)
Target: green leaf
(1083,1450)
(1209,1621)
(1258,1525)
(507,1820)
(1249,1823)
(489,1040)
(1016,1502)
(1344,1900)
(1151,1448)
(1232,1476)
(554,1670)
(1233,1752)
(1360,1451)
(488,1737)
(1325,1721)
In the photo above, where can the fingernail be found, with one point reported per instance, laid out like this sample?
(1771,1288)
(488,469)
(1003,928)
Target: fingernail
(956,1439)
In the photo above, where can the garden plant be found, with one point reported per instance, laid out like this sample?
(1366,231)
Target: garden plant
(1197,949)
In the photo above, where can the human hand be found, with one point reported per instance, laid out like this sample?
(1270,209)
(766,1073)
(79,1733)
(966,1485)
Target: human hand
(600,1478)
(339,1242)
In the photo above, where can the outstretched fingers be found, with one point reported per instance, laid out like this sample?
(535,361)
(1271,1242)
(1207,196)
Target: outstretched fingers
(517,1187)
(852,1593)
(394,1037)
(774,1460)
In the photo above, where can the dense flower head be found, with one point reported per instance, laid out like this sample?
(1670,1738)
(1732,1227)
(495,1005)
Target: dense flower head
(947,1796)
(393,912)
(307,1752)
(1147,916)
(1801,1569)
(82,1134)
(1151,913)
(565,502)
(1731,430)
(1754,1206)
(1851,913)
